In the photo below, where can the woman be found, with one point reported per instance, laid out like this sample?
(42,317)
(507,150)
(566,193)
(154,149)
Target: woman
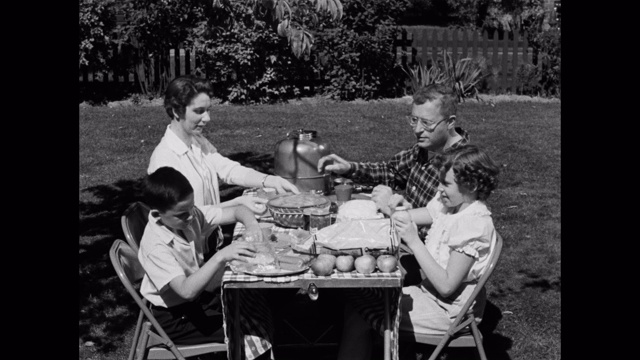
(183,147)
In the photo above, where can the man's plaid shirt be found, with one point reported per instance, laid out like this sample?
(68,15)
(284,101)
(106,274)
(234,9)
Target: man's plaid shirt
(410,170)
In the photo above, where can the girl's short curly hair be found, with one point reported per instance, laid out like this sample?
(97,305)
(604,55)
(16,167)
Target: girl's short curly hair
(472,168)
(182,90)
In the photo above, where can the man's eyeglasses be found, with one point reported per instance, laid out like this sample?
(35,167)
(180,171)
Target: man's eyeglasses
(413,120)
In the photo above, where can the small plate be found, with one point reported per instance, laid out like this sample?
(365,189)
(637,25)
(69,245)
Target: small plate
(271,273)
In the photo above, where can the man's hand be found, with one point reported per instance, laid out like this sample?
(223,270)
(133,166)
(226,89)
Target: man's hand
(333,163)
(381,195)
(398,200)
(280,184)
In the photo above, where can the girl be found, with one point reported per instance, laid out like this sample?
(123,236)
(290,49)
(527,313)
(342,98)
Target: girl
(458,244)
(454,255)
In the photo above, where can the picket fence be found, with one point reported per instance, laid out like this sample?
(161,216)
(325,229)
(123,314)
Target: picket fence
(503,52)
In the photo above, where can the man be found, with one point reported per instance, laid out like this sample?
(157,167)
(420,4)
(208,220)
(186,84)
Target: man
(433,120)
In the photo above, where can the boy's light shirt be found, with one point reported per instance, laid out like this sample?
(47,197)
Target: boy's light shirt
(165,255)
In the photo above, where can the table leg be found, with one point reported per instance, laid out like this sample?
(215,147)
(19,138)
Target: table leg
(237,335)
(387,326)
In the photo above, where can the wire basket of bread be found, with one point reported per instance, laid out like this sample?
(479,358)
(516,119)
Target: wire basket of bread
(288,209)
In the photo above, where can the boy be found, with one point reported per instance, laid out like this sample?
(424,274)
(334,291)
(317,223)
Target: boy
(178,282)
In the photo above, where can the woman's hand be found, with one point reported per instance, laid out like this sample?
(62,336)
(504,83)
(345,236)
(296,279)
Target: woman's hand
(334,164)
(407,229)
(237,250)
(280,184)
(254,203)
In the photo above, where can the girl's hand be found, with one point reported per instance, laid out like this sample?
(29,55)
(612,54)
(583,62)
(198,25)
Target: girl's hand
(254,203)
(237,250)
(407,229)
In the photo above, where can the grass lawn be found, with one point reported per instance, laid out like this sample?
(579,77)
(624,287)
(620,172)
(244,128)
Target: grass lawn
(523,315)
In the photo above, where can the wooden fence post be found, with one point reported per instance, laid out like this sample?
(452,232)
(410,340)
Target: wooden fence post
(172,64)
(454,43)
(424,45)
(404,48)
(414,50)
(445,40)
(514,61)
(505,58)
(434,45)
(182,60)
(525,51)
(192,60)
(465,42)
(475,43)
(485,44)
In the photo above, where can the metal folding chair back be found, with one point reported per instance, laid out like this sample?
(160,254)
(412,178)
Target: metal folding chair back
(133,222)
(150,341)
(463,332)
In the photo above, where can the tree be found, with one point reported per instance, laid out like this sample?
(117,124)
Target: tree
(294,18)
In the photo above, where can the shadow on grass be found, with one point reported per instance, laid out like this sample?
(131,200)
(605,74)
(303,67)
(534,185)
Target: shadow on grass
(495,345)
(543,285)
(106,311)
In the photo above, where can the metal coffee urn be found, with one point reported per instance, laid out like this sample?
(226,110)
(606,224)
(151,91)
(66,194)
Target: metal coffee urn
(296,159)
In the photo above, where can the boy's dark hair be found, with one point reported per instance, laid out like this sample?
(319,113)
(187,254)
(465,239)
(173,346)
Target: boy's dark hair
(472,168)
(165,187)
(182,90)
(444,93)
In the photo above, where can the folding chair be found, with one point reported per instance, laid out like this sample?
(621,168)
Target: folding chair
(150,341)
(463,332)
(133,222)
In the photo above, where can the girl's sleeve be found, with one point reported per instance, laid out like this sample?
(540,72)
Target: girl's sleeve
(471,235)
(434,206)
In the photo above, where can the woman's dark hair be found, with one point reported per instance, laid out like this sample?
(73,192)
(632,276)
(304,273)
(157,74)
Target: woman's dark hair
(182,90)
(472,168)
(166,187)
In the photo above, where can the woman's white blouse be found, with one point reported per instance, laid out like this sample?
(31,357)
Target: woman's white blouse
(201,164)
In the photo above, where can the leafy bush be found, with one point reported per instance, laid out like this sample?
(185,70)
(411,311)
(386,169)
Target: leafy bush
(153,28)
(96,22)
(246,59)
(357,57)
(547,45)
(528,80)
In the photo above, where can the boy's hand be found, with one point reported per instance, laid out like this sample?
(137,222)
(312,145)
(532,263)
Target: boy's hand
(237,250)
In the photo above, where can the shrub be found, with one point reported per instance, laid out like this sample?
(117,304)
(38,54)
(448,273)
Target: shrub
(96,22)
(463,75)
(247,60)
(547,46)
(357,57)
(528,80)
